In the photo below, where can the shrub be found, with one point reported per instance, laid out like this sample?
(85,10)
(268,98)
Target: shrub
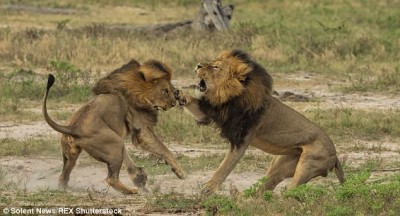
(306,193)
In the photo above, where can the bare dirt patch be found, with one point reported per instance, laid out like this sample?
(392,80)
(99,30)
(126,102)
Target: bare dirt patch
(39,173)
(22,131)
(320,90)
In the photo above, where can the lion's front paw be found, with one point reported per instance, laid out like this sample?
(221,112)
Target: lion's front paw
(209,187)
(180,97)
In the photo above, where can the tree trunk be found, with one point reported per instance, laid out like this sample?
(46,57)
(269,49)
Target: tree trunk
(213,16)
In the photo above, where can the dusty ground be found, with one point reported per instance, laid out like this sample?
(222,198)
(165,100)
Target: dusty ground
(36,173)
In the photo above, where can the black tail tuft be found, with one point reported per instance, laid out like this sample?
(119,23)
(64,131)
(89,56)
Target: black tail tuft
(50,81)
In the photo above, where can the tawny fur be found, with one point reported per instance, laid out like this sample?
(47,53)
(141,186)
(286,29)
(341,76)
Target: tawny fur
(237,99)
(126,105)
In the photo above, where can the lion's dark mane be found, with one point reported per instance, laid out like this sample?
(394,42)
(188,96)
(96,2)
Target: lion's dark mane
(234,118)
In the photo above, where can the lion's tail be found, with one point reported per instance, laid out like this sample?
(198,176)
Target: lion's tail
(60,128)
(339,171)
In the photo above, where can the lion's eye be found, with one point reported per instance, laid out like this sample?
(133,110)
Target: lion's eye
(215,67)
(165,91)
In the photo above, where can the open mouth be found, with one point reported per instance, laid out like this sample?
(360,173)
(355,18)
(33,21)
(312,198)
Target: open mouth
(202,86)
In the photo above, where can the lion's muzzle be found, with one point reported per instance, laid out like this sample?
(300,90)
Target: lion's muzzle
(202,84)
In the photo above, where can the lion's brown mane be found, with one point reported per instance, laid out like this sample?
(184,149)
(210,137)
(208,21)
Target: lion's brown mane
(133,81)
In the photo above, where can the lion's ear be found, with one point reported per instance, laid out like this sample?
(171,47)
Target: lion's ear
(241,71)
(132,65)
(153,70)
(242,79)
(150,75)
(141,75)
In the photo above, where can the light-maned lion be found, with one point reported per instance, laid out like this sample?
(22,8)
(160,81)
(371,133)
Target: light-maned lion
(236,97)
(126,104)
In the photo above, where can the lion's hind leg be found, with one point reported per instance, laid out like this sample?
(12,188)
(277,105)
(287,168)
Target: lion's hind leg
(113,178)
(110,150)
(314,161)
(282,167)
(70,155)
(114,164)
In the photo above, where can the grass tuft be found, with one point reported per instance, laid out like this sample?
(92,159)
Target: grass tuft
(347,122)
(172,203)
(29,146)
(217,204)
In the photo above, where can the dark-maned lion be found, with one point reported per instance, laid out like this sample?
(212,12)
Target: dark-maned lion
(237,99)
(126,104)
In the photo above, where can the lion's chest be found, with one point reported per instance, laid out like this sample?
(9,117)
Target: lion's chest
(233,121)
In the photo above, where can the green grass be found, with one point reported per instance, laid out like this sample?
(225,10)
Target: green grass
(76,3)
(373,79)
(29,146)
(354,40)
(3,176)
(342,123)
(19,85)
(22,114)
(41,197)
(221,205)
(172,203)
(22,89)
(55,198)
(357,196)
(252,190)
(177,203)
(14,113)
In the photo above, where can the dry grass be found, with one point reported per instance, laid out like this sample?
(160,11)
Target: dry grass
(327,37)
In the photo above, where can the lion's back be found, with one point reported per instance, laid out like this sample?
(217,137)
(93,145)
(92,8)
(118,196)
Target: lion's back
(106,110)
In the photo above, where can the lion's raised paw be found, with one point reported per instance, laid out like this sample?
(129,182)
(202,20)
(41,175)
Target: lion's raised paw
(180,97)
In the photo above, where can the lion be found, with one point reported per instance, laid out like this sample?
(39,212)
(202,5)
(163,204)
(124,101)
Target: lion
(126,104)
(237,98)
